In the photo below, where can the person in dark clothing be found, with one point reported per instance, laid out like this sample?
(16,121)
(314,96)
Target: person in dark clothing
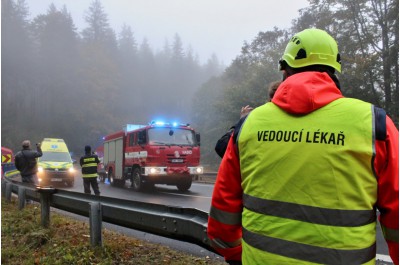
(222,143)
(89,164)
(25,162)
(272,89)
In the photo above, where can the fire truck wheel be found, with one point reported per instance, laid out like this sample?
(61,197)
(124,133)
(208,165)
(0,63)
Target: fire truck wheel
(137,184)
(184,185)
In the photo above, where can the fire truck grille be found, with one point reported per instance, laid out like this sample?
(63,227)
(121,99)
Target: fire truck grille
(176,160)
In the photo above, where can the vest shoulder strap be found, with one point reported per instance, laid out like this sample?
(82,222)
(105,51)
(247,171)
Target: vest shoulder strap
(380,123)
(238,127)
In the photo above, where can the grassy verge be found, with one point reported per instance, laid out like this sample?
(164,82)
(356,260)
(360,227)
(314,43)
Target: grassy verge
(66,241)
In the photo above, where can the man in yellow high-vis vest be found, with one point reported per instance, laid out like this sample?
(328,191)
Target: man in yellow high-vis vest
(89,164)
(303,176)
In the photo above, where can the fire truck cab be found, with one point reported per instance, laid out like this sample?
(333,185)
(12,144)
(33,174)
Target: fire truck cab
(158,153)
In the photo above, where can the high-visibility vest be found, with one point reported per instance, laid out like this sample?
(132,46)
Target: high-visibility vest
(89,166)
(309,185)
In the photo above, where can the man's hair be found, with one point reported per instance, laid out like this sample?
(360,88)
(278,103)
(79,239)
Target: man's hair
(273,86)
(87,149)
(26,144)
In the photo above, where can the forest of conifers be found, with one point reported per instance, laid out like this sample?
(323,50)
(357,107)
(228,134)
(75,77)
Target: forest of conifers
(79,86)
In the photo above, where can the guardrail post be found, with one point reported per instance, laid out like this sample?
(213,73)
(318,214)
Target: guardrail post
(8,192)
(45,195)
(21,197)
(95,220)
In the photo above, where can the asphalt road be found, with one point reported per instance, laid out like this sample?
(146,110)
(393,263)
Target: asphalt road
(199,197)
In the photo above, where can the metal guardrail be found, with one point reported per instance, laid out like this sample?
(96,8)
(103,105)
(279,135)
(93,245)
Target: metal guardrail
(184,224)
(206,177)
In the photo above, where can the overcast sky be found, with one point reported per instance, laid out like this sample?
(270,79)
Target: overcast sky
(208,26)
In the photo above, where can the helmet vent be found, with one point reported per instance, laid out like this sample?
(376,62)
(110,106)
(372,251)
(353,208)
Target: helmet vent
(301,54)
(295,40)
(338,58)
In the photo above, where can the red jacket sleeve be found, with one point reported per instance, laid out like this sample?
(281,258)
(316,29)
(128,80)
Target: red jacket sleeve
(224,222)
(387,168)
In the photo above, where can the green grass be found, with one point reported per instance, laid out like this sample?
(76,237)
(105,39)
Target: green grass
(67,241)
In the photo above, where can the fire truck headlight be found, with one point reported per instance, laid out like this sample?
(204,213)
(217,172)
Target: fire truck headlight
(40,169)
(199,170)
(155,170)
(71,170)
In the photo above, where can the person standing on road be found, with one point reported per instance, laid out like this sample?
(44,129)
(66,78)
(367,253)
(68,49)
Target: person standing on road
(26,163)
(303,181)
(89,164)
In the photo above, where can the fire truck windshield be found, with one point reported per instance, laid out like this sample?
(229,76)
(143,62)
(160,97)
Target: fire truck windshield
(171,136)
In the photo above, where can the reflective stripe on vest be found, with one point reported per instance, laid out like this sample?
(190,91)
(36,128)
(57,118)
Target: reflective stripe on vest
(309,253)
(225,217)
(311,214)
(218,243)
(89,167)
(309,181)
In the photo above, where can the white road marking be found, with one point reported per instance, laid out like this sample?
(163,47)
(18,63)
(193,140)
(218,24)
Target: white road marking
(203,184)
(187,195)
(384,258)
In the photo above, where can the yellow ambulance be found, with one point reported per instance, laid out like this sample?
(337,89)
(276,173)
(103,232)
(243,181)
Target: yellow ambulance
(55,166)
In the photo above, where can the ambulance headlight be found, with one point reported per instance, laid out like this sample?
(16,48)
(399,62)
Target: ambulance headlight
(71,170)
(40,169)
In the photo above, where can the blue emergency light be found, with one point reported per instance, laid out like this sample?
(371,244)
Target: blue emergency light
(162,123)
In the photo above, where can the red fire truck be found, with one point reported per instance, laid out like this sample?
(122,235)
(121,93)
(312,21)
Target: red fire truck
(158,153)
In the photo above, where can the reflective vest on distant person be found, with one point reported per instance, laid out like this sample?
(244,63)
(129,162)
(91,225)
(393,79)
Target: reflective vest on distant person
(89,166)
(309,185)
